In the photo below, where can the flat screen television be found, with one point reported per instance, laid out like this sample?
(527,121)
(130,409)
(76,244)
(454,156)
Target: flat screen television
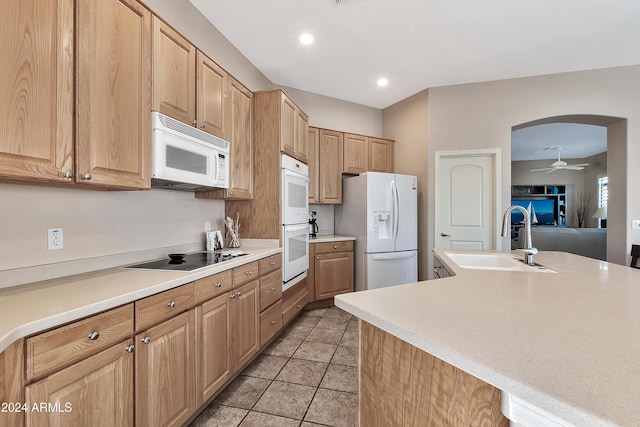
(542,211)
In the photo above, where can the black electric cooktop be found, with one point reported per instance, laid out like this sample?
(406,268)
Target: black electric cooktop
(188,262)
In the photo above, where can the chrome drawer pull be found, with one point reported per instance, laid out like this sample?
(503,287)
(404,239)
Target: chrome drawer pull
(218,285)
(146,340)
(172,304)
(130,348)
(94,335)
(273,322)
(273,289)
(272,263)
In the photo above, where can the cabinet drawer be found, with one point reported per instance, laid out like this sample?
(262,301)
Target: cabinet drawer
(295,305)
(245,273)
(61,346)
(270,288)
(269,264)
(270,322)
(214,285)
(159,307)
(328,247)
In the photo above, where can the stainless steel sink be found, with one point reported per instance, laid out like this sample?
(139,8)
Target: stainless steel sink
(494,261)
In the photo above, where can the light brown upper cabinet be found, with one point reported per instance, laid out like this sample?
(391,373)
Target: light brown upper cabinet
(36,138)
(187,85)
(293,129)
(380,155)
(356,153)
(314,177)
(329,166)
(113,124)
(240,136)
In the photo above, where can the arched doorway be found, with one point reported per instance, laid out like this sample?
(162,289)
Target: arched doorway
(616,167)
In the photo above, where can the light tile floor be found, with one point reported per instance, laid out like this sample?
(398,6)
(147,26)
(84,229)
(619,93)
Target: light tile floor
(307,377)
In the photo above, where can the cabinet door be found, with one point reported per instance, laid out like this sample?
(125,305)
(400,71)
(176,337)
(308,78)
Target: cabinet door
(333,274)
(330,164)
(288,117)
(114,93)
(356,150)
(36,137)
(174,73)
(97,391)
(213,331)
(314,170)
(211,95)
(241,138)
(380,155)
(165,390)
(302,136)
(246,323)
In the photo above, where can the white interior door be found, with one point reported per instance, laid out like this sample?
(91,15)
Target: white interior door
(467,199)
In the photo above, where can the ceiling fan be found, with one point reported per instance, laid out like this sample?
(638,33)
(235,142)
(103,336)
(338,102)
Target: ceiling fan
(561,164)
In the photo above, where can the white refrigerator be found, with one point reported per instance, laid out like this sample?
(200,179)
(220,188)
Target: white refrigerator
(381,211)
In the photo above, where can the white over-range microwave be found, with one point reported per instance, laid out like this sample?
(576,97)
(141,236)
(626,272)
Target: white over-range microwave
(186,158)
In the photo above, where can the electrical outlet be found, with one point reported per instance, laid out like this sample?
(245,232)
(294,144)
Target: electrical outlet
(55,241)
(207,226)
(635,224)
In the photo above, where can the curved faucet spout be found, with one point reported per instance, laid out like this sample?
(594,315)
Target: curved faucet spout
(528,249)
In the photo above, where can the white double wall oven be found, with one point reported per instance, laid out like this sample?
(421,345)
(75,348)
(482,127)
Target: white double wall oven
(295,225)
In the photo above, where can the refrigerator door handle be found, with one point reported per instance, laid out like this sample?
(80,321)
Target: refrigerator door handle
(396,209)
(395,255)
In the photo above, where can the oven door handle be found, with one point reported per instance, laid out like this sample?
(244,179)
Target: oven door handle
(296,175)
(297,228)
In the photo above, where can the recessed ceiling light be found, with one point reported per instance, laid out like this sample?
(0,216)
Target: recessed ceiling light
(306,38)
(382,82)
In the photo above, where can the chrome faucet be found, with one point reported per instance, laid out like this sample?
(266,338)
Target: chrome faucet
(528,251)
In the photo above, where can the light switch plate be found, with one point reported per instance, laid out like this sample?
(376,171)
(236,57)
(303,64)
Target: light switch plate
(635,224)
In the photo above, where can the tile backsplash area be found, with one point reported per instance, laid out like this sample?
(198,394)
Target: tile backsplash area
(324,218)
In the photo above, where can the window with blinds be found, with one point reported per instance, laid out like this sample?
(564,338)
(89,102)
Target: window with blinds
(603,195)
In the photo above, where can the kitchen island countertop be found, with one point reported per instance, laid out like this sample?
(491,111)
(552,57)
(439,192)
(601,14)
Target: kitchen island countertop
(567,343)
(31,308)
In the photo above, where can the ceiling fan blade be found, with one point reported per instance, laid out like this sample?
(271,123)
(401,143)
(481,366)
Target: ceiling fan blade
(573,167)
(580,164)
(542,170)
(553,170)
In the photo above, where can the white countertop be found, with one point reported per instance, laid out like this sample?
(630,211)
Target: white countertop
(31,308)
(323,238)
(568,343)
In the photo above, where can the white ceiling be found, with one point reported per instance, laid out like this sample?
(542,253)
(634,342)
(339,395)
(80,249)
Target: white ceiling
(575,141)
(418,44)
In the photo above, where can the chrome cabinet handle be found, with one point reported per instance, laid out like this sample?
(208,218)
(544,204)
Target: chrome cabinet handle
(146,340)
(238,293)
(94,335)
(86,176)
(250,273)
(68,174)
(195,123)
(272,263)
(231,193)
(218,285)
(172,304)
(273,289)
(298,306)
(335,247)
(273,322)
(202,126)
(130,348)
(232,296)
(317,257)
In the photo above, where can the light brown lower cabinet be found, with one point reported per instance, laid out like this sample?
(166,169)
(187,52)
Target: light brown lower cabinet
(332,270)
(164,366)
(213,336)
(98,391)
(246,323)
(403,385)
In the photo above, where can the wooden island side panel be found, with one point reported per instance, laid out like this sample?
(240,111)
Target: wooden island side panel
(402,385)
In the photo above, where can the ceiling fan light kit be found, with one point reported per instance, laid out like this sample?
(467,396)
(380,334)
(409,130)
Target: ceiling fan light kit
(560,164)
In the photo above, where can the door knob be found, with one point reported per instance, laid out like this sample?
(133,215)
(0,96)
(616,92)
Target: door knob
(445,235)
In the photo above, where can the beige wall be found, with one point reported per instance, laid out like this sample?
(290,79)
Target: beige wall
(406,123)
(476,116)
(97,223)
